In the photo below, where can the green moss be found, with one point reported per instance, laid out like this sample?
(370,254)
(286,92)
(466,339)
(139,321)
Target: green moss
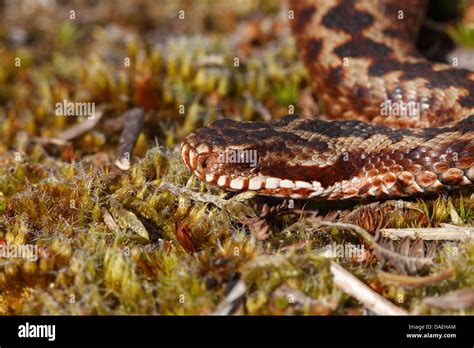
(154,240)
(462,34)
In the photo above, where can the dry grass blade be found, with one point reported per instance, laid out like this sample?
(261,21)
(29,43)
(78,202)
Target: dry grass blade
(438,233)
(455,300)
(80,128)
(405,280)
(360,291)
(233,300)
(404,258)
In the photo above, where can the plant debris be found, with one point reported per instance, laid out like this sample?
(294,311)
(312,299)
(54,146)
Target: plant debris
(455,300)
(406,280)
(132,126)
(407,257)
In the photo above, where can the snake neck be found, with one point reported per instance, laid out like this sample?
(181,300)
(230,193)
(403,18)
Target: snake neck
(363,62)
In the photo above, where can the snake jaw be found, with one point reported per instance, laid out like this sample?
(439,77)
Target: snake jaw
(206,162)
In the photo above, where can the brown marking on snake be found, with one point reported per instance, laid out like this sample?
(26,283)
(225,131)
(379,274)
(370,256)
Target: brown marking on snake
(390,32)
(314,48)
(362,47)
(303,16)
(346,18)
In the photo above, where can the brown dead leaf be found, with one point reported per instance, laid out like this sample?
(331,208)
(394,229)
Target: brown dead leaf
(260,226)
(184,237)
(370,217)
(376,286)
(146,95)
(68,153)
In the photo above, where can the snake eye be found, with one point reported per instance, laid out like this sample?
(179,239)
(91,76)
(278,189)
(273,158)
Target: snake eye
(242,158)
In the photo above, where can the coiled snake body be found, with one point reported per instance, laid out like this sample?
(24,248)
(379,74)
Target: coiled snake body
(362,61)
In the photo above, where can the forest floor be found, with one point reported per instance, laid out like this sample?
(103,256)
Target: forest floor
(153,239)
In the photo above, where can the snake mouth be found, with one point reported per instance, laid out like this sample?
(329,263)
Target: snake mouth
(203,161)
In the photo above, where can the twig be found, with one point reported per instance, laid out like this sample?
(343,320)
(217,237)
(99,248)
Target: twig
(133,122)
(259,107)
(233,300)
(114,125)
(80,128)
(405,280)
(439,233)
(52,141)
(311,221)
(421,261)
(455,300)
(357,289)
(366,235)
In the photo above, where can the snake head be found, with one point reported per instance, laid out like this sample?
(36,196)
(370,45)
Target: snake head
(220,157)
(256,156)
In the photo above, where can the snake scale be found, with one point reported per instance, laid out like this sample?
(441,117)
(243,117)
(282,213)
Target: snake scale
(401,125)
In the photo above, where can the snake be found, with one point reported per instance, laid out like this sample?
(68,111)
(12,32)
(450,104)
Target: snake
(395,124)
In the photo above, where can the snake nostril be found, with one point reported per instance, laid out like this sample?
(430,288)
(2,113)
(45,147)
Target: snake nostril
(202,165)
(207,163)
